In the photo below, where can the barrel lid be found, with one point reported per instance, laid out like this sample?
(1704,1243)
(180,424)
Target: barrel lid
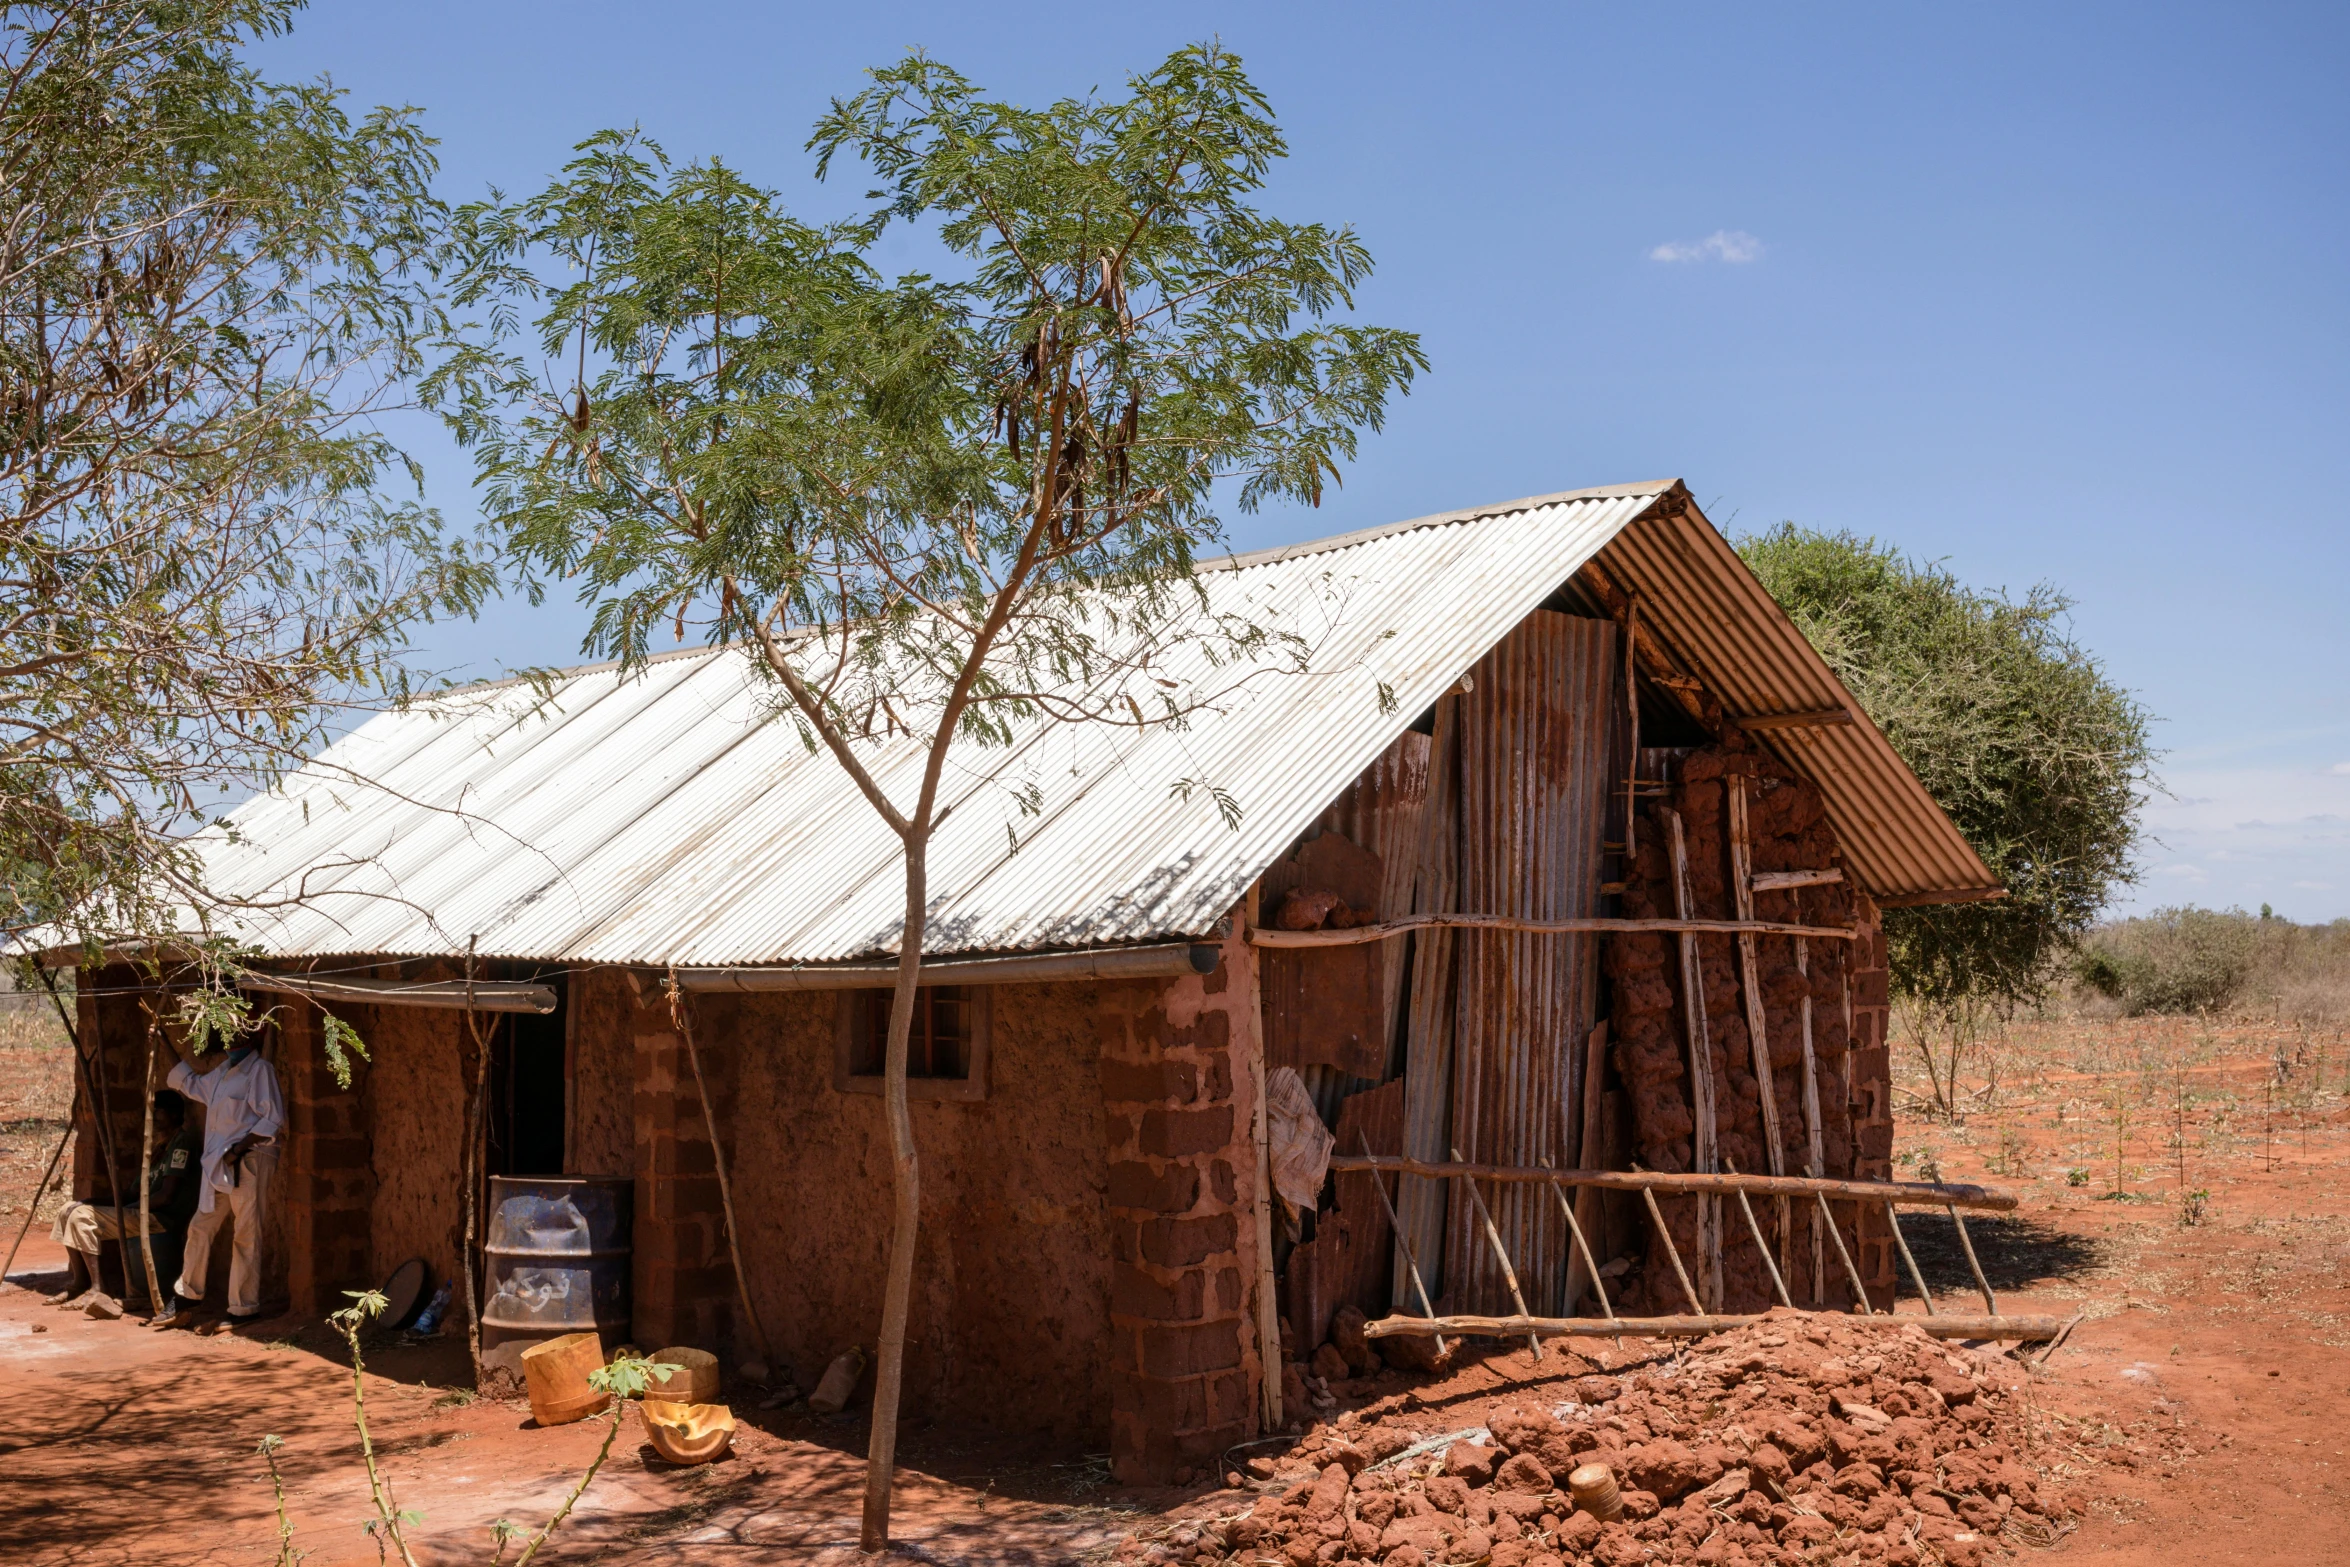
(403,1293)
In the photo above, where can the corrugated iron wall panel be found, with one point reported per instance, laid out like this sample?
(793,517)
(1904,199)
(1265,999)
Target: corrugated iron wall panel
(1534,789)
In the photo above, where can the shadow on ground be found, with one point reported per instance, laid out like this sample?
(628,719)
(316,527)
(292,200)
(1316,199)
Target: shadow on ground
(2017,1253)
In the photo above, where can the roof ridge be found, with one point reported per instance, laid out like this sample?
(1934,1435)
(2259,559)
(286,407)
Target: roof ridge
(1228,562)
(1340,541)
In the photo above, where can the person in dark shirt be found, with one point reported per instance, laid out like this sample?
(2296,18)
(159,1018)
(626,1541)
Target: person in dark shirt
(173,1191)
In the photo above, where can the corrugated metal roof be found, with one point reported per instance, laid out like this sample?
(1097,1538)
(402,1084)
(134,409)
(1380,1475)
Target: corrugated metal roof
(1705,603)
(672,815)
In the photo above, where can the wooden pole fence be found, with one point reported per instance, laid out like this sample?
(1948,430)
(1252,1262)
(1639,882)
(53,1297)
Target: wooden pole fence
(2025,1329)
(1912,1193)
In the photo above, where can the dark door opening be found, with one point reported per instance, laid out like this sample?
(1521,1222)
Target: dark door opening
(529,1080)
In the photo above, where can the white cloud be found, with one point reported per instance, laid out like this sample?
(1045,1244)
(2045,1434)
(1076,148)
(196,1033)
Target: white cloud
(2342,768)
(2244,836)
(1734,246)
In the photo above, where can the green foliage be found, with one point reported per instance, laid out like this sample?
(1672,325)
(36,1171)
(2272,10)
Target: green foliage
(2183,960)
(213,286)
(2038,758)
(339,1041)
(209,1016)
(938,483)
(2174,960)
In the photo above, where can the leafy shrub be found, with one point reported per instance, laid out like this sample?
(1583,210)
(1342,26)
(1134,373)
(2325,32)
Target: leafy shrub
(2211,960)
(2174,960)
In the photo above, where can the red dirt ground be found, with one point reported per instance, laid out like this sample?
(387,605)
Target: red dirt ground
(2195,1414)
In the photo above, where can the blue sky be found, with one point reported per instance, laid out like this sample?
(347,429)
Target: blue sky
(2048,292)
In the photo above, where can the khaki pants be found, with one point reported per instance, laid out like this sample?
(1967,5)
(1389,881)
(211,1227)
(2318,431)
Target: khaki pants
(81,1226)
(245,1203)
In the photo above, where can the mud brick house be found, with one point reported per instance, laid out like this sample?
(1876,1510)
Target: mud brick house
(1574,708)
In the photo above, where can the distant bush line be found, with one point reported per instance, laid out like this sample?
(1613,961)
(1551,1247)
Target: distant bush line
(2221,962)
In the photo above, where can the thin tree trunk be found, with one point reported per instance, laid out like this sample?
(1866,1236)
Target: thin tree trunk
(147,1173)
(881,1456)
(473,1161)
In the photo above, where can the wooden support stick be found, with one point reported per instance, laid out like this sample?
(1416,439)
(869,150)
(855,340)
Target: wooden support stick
(1757,1025)
(1420,1288)
(1268,1299)
(1780,881)
(1583,1250)
(41,1190)
(734,1245)
(1814,1140)
(1915,1277)
(1778,1283)
(1589,1153)
(1701,1066)
(1632,751)
(2027,1329)
(1595,925)
(1860,1293)
(1656,1217)
(1915,1194)
(1502,1256)
(1968,1246)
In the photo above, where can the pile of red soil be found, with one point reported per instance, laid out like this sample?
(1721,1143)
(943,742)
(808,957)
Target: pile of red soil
(1800,1439)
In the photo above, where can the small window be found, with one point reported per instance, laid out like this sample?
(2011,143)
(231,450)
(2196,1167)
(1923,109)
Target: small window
(946,1053)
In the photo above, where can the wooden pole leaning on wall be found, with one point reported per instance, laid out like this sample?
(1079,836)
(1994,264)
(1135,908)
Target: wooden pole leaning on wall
(1701,1067)
(1750,988)
(1501,1255)
(1419,1285)
(1588,1154)
(1656,1217)
(1860,1292)
(1814,1140)
(1261,1129)
(2025,1329)
(1583,1250)
(734,1245)
(42,1190)
(73,1037)
(1778,1281)
(476,1122)
(1915,1277)
(1968,1246)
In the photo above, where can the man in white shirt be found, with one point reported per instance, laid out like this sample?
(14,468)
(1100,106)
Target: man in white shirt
(243,1115)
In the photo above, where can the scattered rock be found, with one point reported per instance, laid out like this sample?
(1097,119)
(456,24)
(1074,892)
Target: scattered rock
(1472,1462)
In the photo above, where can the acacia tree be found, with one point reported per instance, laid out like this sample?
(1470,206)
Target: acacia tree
(937,507)
(210,286)
(2040,760)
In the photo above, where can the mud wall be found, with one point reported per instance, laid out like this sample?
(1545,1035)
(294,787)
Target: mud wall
(600,1117)
(1179,1080)
(1787,830)
(416,1094)
(1010,1318)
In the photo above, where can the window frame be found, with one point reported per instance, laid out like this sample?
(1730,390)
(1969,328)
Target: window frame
(970,1088)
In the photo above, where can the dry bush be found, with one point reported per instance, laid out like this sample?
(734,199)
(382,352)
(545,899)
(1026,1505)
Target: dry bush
(2224,963)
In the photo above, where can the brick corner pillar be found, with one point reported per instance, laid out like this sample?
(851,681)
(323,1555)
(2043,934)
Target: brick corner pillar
(679,1277)
(326,1180)
(1179,1121)
(1872,1095)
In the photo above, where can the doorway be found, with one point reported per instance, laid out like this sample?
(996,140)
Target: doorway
(530,1087)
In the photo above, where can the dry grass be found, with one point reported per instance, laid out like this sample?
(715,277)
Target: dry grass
(2131,1108)
(36,1096)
